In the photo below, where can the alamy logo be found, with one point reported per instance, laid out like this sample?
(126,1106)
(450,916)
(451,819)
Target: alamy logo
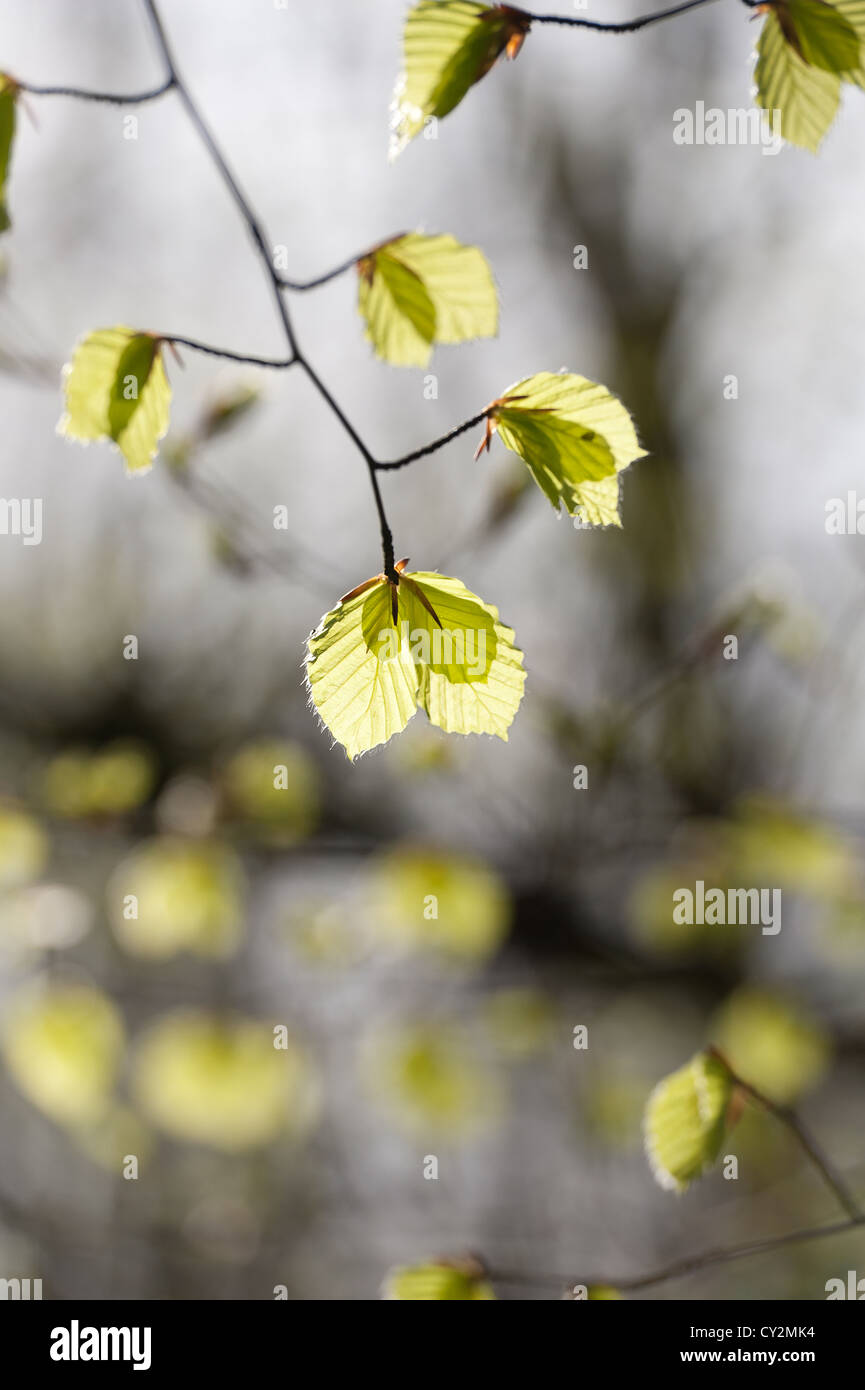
(76,1343)
(854,1287)
(845,516)
(22,516)
(466,647)
(734,127)
(21,1290)
(746,907)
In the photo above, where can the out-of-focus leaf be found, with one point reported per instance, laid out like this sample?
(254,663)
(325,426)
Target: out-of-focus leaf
(423,900)
(520,1022)
(23,847)
(429,1078)
(113,781)
(773,843)
(175,895)
(574,436)
(116,388)
(438,1282)
(271,785)
(227,409)
(773,1044)
(419,290)
(448,46)
(63,1044)
(209,1080)
(684,1122)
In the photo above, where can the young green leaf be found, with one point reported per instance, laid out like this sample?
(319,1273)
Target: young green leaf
(438,1282)
(448,46)
(387,649)
(473,682)
(419,290)
(573,435)
(820,34)
(116,388)
(806,97)
(362,699)
(854,12)
(8,95)
(684,1121)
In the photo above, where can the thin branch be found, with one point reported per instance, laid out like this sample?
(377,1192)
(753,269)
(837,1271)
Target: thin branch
(241,201)
(436,444)
(627,26)
(299,286)
(257,234)
(690,1264)
(302,285)
(788,1117)
(279,363)
(108,98)
(386,535)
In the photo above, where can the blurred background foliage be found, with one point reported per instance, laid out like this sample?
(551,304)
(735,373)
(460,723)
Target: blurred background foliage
(280,982)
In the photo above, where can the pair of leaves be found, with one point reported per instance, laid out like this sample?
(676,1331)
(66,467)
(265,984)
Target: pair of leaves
(116,388)
(419,290)
(448,46)
(575,438)
(427,642)
(806,48)
(8,97)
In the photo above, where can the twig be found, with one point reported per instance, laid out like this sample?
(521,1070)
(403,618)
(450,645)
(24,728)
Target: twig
(627,26)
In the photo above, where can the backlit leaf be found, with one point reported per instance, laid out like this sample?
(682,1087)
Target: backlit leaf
(575,438)
(820,34)
(448,46)
(419,290)
(116,388)
(806,97)
(367,673)
(854,12)
(684,1121)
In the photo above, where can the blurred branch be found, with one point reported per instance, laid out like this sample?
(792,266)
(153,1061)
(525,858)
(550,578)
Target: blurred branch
(809,1146)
